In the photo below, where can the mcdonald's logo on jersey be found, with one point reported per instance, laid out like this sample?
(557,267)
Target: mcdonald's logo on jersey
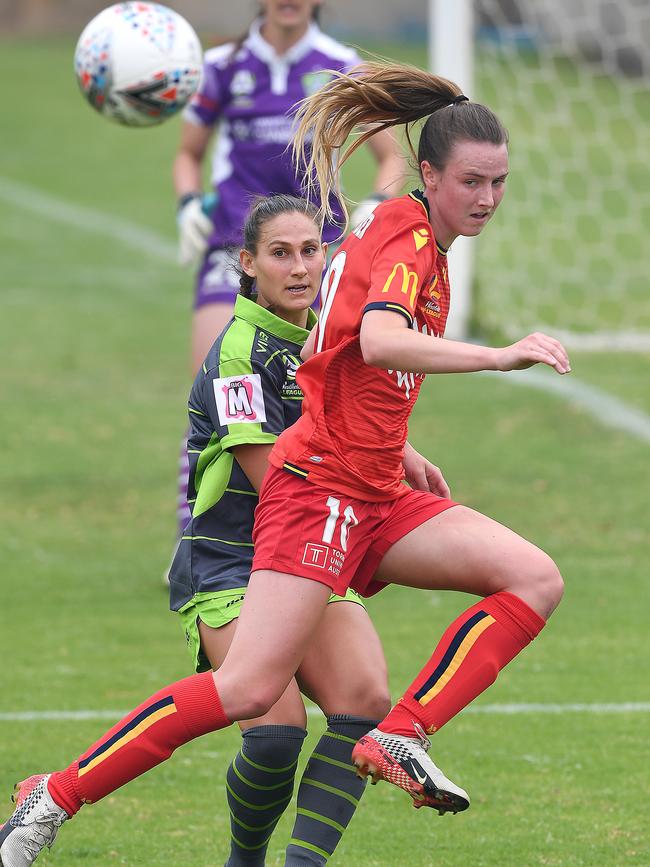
(409,281)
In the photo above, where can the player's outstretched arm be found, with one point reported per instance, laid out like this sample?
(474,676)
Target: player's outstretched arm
(537,348)
(388,342)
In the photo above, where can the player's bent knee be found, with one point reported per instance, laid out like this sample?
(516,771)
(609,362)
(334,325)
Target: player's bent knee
(258,704)
(555,588)
(542,585)
(376,704)
(363,698)
(364,704)
(550,583)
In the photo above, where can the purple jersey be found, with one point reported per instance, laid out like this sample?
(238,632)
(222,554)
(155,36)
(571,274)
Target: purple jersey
(252,95)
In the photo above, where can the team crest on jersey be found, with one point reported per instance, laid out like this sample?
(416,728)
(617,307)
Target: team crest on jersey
(239,399)
(432,304)
(290,388)
(313,81)
(242,84)
(291,363)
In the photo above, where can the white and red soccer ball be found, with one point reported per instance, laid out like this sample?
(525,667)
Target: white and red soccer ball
(138,63)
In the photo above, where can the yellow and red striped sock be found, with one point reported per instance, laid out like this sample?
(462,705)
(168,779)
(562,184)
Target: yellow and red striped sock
(143,739)
(468,658)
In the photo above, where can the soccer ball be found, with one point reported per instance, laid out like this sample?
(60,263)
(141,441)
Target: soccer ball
(138,63)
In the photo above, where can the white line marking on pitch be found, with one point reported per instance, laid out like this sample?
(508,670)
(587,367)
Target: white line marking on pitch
(609,411)
(506,709)
(606,409)
(87,219)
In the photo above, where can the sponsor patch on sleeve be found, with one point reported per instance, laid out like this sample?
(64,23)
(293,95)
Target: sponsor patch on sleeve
(239,399)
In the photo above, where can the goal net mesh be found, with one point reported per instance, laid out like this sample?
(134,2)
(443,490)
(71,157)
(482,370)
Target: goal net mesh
(570,251)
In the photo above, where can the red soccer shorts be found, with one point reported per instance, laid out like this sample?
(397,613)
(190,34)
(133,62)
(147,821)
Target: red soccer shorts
(303,529)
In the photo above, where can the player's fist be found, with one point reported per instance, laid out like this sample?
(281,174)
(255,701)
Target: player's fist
(194,229)
(365,208)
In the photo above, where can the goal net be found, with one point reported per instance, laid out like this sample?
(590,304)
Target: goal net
(569,250)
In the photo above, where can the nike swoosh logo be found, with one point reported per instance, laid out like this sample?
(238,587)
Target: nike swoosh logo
(421,780)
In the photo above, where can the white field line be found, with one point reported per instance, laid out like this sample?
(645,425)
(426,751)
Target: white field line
(606,409)
(602,341)
(496,709)
(87,220)
(593,341)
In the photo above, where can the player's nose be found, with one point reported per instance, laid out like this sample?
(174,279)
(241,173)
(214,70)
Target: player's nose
(486,198)
(298,266)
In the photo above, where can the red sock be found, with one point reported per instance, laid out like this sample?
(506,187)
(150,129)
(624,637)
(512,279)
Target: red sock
(143,739)
(470,654)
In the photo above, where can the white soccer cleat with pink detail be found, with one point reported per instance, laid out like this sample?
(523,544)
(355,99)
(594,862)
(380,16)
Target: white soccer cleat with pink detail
(404,762)
(34,824)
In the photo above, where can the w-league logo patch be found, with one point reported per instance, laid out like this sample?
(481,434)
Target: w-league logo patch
(239,399)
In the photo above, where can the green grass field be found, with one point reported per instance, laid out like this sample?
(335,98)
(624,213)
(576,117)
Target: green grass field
(94,382)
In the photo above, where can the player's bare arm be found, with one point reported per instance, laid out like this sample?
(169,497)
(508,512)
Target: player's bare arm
(387,341)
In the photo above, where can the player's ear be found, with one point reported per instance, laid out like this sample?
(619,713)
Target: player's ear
(429,174)
(247,263)
(325,247)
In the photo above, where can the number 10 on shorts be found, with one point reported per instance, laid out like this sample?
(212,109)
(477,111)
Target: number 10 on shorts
(334,506)
(317,555)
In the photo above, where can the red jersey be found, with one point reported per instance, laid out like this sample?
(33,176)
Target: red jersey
(351,435)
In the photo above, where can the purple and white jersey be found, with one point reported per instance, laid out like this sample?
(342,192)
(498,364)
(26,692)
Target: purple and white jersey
(252,95)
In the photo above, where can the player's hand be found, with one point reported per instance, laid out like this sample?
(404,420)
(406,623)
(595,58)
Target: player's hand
(194,229)
(365,208)
(537,348)
(422,475)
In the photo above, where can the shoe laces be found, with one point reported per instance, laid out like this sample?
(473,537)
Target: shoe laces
(425,743)
(44,831)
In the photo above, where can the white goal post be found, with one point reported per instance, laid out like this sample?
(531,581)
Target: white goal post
(451,54)
(567,252)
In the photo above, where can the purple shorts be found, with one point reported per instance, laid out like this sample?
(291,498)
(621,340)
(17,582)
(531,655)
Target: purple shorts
(217,282)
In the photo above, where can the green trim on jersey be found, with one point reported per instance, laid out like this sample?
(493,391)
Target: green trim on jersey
(252,312)
(213,471)
(245,394)
(214,466)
